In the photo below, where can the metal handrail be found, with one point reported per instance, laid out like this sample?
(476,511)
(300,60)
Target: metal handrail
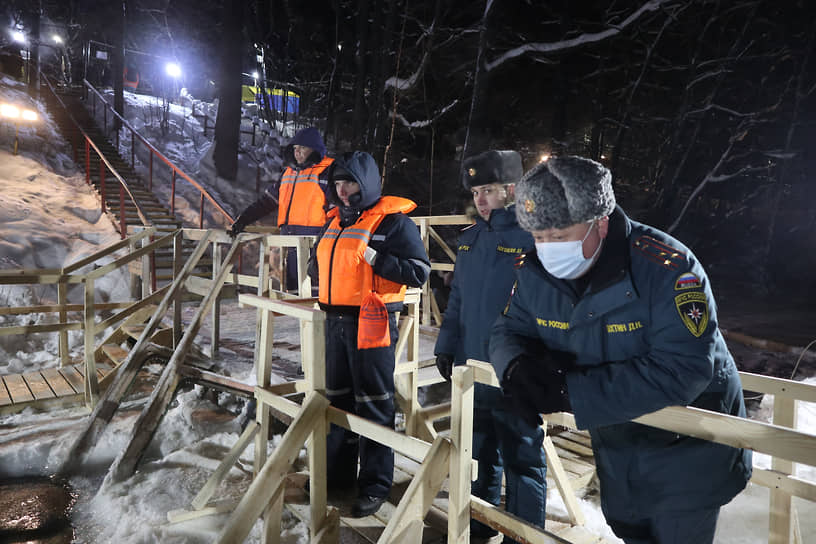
(176,170)
(123,186)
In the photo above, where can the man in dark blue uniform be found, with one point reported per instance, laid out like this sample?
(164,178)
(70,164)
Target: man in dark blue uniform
(482,281)
(612,319)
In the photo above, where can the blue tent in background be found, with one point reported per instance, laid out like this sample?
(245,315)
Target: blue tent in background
(279,99)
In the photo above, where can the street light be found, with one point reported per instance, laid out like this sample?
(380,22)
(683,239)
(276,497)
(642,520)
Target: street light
(172,69)
(15,114)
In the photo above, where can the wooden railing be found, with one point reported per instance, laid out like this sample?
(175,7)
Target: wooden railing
(90,309)
(152,151)
(430,308)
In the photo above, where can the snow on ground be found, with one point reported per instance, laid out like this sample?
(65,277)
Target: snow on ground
(50,218)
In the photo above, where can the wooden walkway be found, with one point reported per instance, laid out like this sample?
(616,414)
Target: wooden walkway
(49,388)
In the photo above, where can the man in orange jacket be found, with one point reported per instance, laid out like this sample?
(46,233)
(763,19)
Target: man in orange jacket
(299,197)
(369,245)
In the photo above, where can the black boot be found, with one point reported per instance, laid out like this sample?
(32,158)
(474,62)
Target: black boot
(365,505)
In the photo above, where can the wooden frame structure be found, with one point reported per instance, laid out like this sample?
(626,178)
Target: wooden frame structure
(441,456)
(62,279)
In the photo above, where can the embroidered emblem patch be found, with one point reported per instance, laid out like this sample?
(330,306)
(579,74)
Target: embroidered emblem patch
(687,281)
(471,172)
(529,206)
(693,309)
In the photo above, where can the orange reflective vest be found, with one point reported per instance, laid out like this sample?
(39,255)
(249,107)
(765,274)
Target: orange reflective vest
(344,275)
(301,199)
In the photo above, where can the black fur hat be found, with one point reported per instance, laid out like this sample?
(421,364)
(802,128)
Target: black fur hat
(492,167)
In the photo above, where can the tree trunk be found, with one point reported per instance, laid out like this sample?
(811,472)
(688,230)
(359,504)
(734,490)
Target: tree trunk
(476,133)
(34,50)
(228,119)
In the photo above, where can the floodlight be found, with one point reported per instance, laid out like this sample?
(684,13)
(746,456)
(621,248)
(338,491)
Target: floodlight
(7,110)
(56,38)
(172,69)
(544,158)
(18,36)
(29,115)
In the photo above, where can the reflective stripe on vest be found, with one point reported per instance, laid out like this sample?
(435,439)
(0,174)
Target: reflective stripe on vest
(301,198)
(344,275)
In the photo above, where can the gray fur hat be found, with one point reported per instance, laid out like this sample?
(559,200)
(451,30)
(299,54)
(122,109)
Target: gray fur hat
(492,167)
(563,191)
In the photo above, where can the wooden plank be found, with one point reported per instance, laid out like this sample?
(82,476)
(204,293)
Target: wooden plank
(38,386)
(74,378)
(5,399)
(562,482)
(569,445)
(17,388)
(115,353)
(58,383)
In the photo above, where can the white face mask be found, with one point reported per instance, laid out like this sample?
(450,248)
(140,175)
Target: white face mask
(566,260)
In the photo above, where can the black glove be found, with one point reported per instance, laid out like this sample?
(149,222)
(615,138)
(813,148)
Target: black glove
(237,227)
(444,363)
(538,385)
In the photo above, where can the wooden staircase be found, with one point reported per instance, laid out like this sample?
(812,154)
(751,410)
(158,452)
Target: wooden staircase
(69,110)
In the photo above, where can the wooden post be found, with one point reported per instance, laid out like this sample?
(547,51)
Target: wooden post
(780,526)
(263,374)
(426,287)
(304,247)
(62,300)
(178,259)
(146,278)
(263,287)
(91,380)
(314,367)
(461,435)
(215,332)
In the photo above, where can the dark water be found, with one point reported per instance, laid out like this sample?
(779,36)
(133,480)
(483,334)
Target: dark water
(35,510)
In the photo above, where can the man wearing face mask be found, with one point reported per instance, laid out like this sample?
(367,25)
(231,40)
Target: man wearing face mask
(612,319)
(482,281)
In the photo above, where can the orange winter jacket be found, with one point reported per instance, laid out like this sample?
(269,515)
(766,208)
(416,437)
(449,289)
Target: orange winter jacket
(344,275)
(301,197)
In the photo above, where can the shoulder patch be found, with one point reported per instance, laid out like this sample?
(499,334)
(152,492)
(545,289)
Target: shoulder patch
(520,260)
(687,281)
(658,252)
(693,310)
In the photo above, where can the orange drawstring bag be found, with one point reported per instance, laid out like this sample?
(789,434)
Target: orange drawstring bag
(372,325)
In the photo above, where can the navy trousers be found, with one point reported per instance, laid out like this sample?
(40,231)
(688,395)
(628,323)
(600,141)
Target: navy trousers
(697,526)
(291,257)
(359,381)
(502,442)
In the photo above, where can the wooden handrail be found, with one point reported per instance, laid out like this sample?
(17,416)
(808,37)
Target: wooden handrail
(202,191)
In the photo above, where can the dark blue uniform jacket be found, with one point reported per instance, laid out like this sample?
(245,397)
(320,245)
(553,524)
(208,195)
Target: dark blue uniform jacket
(645,335)
(482,280)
